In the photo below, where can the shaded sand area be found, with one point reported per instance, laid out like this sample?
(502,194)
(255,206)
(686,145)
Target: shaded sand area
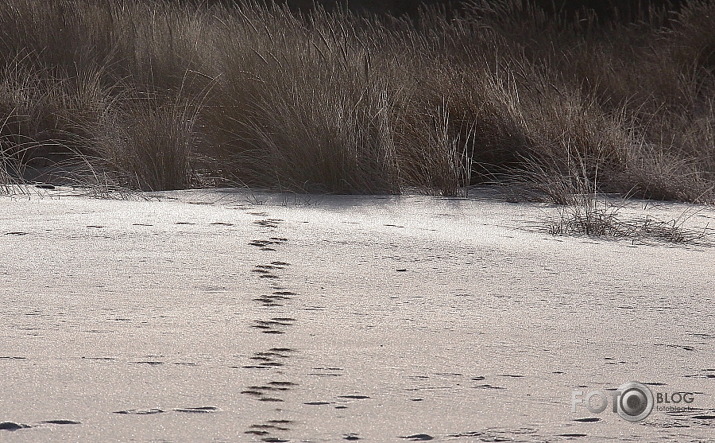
(232,316)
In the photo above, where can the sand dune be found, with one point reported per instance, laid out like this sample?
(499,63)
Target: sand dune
(233,316)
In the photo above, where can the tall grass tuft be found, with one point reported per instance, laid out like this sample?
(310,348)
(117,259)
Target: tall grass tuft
(147,142)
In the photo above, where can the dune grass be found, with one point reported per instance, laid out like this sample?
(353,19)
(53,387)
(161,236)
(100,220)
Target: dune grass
(166,95)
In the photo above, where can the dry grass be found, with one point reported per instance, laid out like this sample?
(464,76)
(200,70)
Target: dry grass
(148,142)
(594,217)
(163,95)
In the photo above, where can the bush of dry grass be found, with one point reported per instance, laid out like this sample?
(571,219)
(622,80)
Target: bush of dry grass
(593,217)
(148,142)
(161,94)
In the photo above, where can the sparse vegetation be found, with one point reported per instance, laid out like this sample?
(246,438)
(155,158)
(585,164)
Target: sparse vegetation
(165,95)
(592,216)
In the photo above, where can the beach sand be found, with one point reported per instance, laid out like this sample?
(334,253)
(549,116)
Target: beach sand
(220,315)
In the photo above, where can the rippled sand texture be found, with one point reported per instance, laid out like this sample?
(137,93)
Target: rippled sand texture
(224,316)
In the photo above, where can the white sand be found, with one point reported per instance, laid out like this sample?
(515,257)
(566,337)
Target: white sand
(459,319)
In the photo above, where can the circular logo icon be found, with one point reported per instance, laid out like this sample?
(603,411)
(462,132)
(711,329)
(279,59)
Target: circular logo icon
(636,401)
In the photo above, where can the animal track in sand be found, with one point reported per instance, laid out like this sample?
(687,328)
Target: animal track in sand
(280,293)
(702,335)
(267,356)
(12,426)
(271,300)
(668,345)
(282,385)
(149,411)
(267,324)
(587,419)
(283,350)
(274,325)
(265,429)
(488,386)
(418,437)
(495,434)
(269,359)
(268,222)
(326,372)
(274,357)
(268,388)
(198,410)
(263,244)
(706,373)
(266,365)
(264,271)
(264,392)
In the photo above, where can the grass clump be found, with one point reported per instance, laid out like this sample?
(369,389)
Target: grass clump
(166,95)
(594,217)
(148,143)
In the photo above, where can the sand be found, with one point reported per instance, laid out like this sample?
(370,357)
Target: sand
(236,316)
